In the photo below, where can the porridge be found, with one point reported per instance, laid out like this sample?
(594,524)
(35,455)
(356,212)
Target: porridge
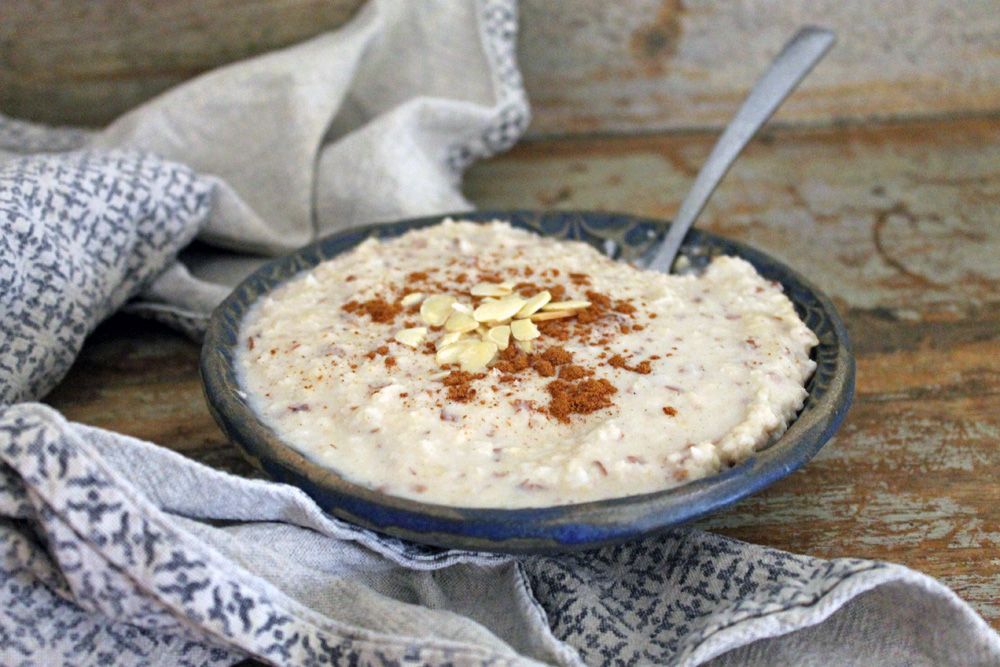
(479,365)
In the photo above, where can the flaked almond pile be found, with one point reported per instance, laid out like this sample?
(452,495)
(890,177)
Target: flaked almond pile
(479,325)
(495,324)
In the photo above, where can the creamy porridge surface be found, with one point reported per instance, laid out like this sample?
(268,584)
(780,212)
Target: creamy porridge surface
(626,381)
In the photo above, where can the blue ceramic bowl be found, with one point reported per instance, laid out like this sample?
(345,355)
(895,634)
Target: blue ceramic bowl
(546,529)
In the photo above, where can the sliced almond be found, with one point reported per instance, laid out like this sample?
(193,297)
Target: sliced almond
(499,335)
(499,311)
(524,330)
(491,289)
(449,353)
(448,339)
(476,357)
(435,310)
(411,298)
(462,307)
(461,322)
(566,305)
(439,375)
(534,304)
(412,337)
(553,315)
(507,285)
(524,345)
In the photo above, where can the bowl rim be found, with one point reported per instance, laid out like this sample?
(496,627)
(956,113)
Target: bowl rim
(516,530)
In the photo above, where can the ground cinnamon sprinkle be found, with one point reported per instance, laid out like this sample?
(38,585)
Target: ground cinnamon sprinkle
(624,307)
(512,360)
(572,372)
(557,329)
(579,278)
(618,361)
(459,385)
(543,367)
(599,305)
(669,411)
(599,300)
(378,309)
(557,356)
(416,276)
(581,398)
(390,362)
(527,288)
(459,377)
(461,393)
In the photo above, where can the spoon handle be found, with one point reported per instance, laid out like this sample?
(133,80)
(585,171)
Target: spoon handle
(789,67)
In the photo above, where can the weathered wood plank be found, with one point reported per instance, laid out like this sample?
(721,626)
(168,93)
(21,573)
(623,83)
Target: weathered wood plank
(141,379)
(656,64)
(87,61)
(911,477)
(589,65)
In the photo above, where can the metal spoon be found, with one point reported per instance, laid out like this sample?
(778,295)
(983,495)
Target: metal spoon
(796,59)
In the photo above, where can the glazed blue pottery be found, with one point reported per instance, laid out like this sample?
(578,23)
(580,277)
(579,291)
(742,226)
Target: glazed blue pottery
(546,529)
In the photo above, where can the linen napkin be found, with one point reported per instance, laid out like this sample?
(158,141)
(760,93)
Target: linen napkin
(117,551)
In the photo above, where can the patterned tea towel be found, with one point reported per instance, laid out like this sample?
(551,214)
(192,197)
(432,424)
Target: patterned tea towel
(117,551)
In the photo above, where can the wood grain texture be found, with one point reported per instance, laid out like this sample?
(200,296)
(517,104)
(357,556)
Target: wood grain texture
(589,65)
(655,64)
(139,378)
(87,61)
(897,222)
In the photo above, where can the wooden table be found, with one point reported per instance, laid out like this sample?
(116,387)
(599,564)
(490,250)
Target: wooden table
(899,223)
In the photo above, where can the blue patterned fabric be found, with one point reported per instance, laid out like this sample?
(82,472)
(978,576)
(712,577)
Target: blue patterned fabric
(83,232)
(117,551)
(116,547)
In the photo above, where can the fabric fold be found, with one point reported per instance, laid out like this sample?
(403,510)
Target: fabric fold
(126,560)
(83,232)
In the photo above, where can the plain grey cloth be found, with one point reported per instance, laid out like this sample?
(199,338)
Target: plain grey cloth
(116,551)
